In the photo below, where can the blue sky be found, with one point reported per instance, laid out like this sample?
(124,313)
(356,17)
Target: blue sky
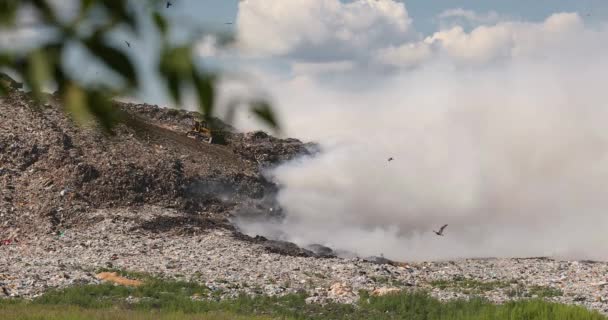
(216,12)
(212,15)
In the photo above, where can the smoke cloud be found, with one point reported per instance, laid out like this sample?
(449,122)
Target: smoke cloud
(499,132)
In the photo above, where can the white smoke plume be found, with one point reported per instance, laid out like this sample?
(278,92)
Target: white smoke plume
(499,132)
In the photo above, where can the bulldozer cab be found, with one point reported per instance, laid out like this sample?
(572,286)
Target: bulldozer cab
(202,128)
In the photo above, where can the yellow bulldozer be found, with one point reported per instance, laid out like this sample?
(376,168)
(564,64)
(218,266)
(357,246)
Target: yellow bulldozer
(201,129)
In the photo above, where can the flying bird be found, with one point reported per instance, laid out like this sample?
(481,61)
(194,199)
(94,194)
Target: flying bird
(228,23)
(169,4)
(128,44)
(440,232)
(390,159)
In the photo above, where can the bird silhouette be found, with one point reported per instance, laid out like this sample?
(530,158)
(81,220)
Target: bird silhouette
(390,159)
(169,4)
(440,232)
(128,44)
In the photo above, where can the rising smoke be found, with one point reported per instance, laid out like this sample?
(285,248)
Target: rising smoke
(499,132)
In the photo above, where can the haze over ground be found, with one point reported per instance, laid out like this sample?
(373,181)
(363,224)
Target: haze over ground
(497,129)
(495,117)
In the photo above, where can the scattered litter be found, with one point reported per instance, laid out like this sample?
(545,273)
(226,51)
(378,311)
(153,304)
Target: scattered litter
(116,279)
(340,289)
(385,291)
(6,242)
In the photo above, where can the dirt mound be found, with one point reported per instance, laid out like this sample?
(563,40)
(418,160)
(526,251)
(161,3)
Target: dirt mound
(52,172)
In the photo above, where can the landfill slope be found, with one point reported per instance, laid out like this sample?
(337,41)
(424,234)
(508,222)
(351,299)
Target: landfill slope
(153,198)
(53,172)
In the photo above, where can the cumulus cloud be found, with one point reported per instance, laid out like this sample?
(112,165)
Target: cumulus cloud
(509,39)
(321,30)
(486,44)
(380,33)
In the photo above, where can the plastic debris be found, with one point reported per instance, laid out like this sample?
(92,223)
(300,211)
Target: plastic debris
(6,242)
(116,279)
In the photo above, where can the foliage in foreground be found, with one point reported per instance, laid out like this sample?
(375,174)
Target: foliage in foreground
(159,299)
(95,28)
(19,312)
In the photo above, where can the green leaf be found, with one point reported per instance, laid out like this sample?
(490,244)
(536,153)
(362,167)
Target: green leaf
(8,9)
(85,5)
(262,110)
(75,102)
(174,86)
(38,72)
(176,60)
(6,60)
(204,85)
(120,11)
(174,66)
(113,58)
(46,10)
(161,23)
(100,106)
(86,106)
(3,86)
(60,79)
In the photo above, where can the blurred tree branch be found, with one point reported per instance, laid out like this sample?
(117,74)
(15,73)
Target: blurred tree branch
(45,65)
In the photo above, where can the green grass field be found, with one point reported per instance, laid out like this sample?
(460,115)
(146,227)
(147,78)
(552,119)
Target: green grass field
(158,299)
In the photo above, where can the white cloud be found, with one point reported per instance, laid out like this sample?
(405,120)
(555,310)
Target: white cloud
(482,45)
(460,15)
(371,32)
(509,39)
(406,55)
(321,30)
(311,68)
(559,33)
